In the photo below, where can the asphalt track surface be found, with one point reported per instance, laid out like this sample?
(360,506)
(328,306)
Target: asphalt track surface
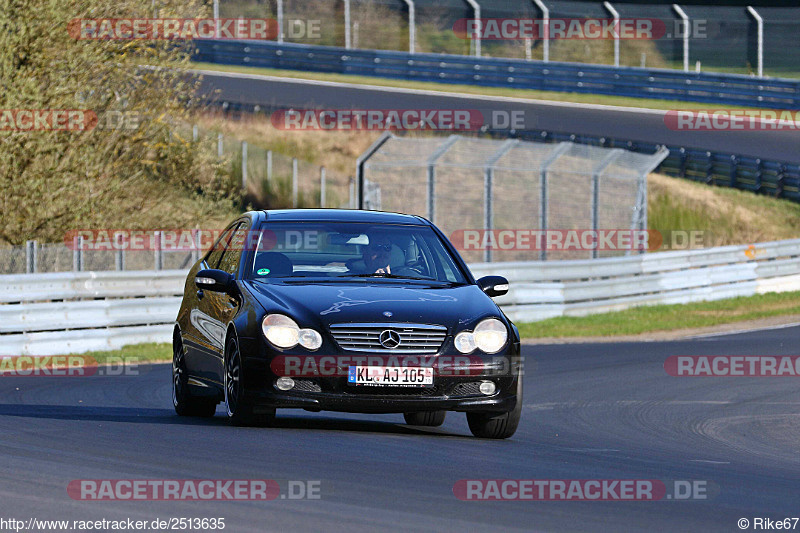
(642,125)
(591,411)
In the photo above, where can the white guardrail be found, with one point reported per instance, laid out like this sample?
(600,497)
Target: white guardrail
(73,312)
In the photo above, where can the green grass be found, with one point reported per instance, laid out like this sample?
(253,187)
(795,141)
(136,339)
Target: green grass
(466,89)
(656,318)
(134,354)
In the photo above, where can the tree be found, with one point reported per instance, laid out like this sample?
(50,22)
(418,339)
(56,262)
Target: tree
(130,166)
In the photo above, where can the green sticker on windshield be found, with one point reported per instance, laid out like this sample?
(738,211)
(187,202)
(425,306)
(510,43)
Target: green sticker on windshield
(263,271)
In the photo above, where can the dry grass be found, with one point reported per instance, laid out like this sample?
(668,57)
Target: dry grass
(728,216)
(335,150)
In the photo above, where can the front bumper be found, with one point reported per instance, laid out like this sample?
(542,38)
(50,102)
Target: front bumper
(333,393)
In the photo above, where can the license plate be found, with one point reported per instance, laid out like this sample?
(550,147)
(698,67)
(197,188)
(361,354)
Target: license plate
(390,376)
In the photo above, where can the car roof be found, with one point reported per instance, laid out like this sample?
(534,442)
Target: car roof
(342,215)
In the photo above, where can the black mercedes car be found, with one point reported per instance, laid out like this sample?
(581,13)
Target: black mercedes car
(340,310)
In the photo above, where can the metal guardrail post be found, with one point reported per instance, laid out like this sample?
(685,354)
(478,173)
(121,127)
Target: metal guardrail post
(686,31)
(30,257)
(431,177)
(546,26)
(476,13)
(606,161)
(543,203)
(760,52)
(269,165)
(322,187)
(615,14)
(295,185)
(734,171)
(361,167)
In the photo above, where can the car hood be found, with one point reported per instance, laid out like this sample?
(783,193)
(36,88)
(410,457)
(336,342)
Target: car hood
(316,304)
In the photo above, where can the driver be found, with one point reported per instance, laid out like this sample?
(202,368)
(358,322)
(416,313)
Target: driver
(377,254)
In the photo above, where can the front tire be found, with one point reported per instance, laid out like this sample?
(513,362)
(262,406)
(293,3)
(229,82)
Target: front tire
(185,404)
(493,426)
(240,412)
(425,418)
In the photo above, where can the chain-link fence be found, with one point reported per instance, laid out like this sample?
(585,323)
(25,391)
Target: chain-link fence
(483,187)
(36,257)
(720,37)
(271,179)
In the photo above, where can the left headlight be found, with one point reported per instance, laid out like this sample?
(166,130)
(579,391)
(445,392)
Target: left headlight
(489,336)
(284,332)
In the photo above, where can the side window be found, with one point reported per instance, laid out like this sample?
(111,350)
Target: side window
(233,253)
(212,260)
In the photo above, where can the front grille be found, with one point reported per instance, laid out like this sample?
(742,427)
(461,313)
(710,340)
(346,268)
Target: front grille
(414,338)
(306,385)
(471,388)
(394,391)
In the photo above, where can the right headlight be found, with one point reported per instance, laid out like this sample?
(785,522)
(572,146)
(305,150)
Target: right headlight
(284,332)
(489,336)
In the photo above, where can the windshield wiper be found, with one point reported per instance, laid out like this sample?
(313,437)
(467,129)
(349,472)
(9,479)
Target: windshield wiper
(385,275)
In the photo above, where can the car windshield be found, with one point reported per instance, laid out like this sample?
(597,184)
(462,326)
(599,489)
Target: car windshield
(343,250)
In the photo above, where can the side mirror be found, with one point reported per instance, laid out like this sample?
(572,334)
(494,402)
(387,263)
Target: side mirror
(213,280)
(493,285)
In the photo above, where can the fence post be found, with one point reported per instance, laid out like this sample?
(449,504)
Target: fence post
(347,40)
(543,204)
(734,171)
(476,15)
(546,26)
(219,145)
(686,30)
(615,15)
(322,187)
(244,166)
(195,133)
(295,188)
(77,254)
(269,165)
(361,165)
(30,257)
(596,172)
(159,260)
(412,26)
(439,152)
(488,187)
(120,259)
(196,238)
(280,21)
(760,30)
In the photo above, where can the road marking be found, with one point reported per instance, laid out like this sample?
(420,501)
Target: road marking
(709,461)
(428,92)
(740,331)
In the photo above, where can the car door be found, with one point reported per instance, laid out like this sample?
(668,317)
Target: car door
(217,308)
(203,327)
